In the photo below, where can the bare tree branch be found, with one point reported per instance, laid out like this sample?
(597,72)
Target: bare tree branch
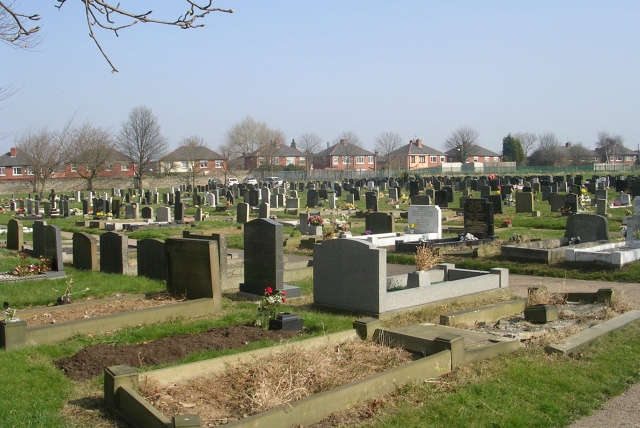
(90,149)
(464,141)
(103,14)
(192,150)
(386,144)
(310,144)
(610,145)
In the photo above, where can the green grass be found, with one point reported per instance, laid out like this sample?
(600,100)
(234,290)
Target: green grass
(525,389)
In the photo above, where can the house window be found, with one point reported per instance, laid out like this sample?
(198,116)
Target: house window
(219,164)
(370,160)
(302,161)
(73,167)
(203,164)
(628,158)
(360,160)
(346,160)
(413,159)
(618,158)
(184,165)
(17,170)
(109,166)
(434,159)
(487,158)
(30,170)
(475,158)
(2,170)
(291,160)
(335,160)
(422,158)
(496,159)
(442,159)
(275,160)
(124,167)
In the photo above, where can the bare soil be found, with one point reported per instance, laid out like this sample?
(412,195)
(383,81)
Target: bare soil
(92,360)
(73,313)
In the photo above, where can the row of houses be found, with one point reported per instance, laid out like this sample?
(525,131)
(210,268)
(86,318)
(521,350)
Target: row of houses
(342,156)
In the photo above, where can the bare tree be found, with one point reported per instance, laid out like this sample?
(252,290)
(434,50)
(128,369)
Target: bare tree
(350,136)
(580,155)
(464,141)
(546,154)
(16,30)
(528,141)
(193,152)
(310,144)
(386,144)
(249,135)
(141,141)
(228,151)
(610,145)
(90,149)
(43,151)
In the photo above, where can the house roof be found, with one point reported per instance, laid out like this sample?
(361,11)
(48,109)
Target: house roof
(414,149)
(191,153)
(475,151)
(274,150)
(6,160)
(621,150)
(345,149)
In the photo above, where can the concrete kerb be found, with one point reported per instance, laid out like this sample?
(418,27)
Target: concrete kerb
(489,313)
(584,338)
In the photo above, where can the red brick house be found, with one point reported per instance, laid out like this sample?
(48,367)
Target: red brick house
(416,155)
(203,159)
(274,153)
(345,157)
(477,154)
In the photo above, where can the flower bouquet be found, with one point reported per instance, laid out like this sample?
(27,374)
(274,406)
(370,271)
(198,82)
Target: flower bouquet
(268,307)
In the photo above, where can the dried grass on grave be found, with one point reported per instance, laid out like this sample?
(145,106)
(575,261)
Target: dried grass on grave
(542,296)
(427,257)
(275,380)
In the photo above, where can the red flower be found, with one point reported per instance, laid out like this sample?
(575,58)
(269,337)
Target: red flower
(284,293)
(284,300)
(268,290)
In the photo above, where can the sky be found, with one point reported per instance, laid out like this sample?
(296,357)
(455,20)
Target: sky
(421,69)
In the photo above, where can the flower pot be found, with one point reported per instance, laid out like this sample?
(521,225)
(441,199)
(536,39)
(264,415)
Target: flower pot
(315,230)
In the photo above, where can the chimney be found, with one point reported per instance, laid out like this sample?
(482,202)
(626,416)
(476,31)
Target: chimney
(419,143)
(277,143)
(327,144)
(344,141)
(568,144)
(13,152)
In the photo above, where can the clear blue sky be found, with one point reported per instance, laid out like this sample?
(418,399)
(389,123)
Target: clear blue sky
(418,68)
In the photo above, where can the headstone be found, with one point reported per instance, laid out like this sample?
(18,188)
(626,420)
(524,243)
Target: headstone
(264,258)
(114,253)
(312,198)
(589,227)
(292,205)
(15,239)
(545,192)
(53,250)
(379,222)
(263,210)
(131,211)
(485,191)
(427,218)
(371,201)
(152,259)
(221,239)
(163,214)
(478,218)
(496,200)
(556,200)
(421,200)
(393,194)
(441,198)
(242,213)
(601,207)
(85,251)
(193,269)
(524,202)
(571,202)
(38,238)
(147,213)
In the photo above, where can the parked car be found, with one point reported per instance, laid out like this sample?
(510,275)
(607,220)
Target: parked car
(274,181)
(231,181)
(250,180)
(215,181)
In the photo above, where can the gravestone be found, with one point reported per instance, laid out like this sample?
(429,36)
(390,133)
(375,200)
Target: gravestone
(115,208)
(421,200)
(312,198)
(221,239)
(556,200)
(589,227)
(53,250)
(571,201)
(114,253)
(15,239)
(152,259)
(147,213)
(38,238)
(546,190)
(393,194)
(601,207)
(524,202)
(292,205)
(496,200)
(441,198)
(264,259)
(371,201)
(414,188)
(378,222)
(478,218)
(85,251)
(485,191)
(263,210)
(355,193)
(274,201)
(427,218)
(131,211)
(242,213)
(193,269)
(163,214)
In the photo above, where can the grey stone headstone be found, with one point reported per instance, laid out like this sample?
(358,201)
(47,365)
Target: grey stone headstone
(428,218)
(85,251)
(421,200)
(38,238)
(221,239)
(53,247)
(556,200)
(524,202)
(589,227)
(263,210)
(114,253)
(15,239)
(379,222)
(163,214)
(152,259)
(193,269)
(242,212)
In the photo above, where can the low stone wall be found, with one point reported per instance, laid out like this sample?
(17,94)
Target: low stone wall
(549,251)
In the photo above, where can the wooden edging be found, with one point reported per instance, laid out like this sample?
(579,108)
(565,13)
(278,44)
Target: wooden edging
(64,330)
(582,339)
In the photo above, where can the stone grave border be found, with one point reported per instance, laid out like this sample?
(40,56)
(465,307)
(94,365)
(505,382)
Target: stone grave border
(549,251)
(15,334)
